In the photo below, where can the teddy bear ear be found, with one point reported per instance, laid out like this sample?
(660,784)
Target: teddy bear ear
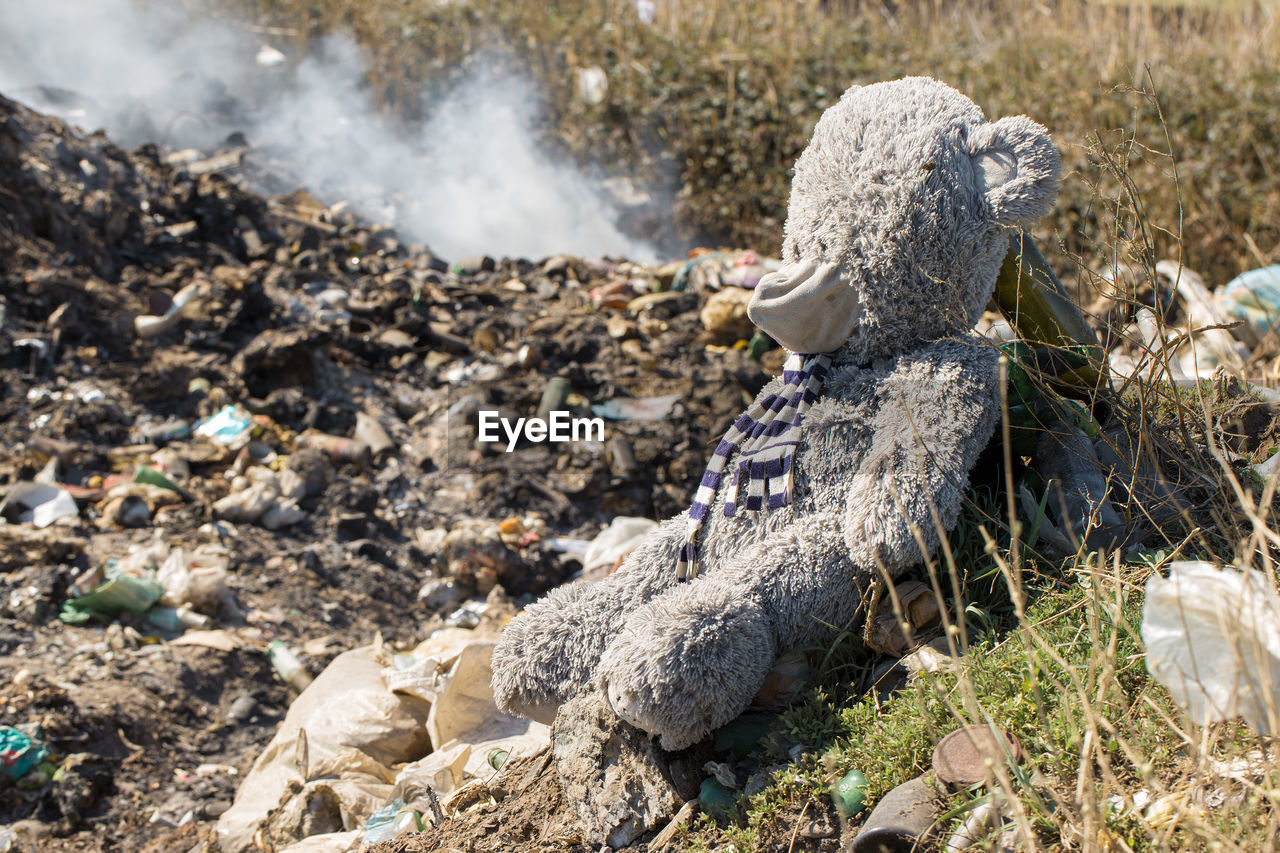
(1018,167)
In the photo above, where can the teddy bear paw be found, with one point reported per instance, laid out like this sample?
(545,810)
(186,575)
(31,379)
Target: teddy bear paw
(629,708)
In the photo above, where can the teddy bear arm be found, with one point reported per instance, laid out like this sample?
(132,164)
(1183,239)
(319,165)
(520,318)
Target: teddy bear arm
(937,412)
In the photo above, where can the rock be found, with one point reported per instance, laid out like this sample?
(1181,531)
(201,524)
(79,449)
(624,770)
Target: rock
(1078,503)
(612,774)
(473,264)
(725,315)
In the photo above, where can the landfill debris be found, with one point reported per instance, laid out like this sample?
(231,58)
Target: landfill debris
(230,427)
(286,664)
(39,504)
(711,271)
(1213,640)
(328,767)
(849,794)
(985,819)
(644,409)
(1076,506)
(965,757)
(900,819)
(613,544)
(1254,297)
(1206,346)
(591,85)
(20,753)
(724,315)
(887,634)
(151,325)
(718,801)
(1192,331)
(106,592)
(933,656)
(402,733)
(391,821)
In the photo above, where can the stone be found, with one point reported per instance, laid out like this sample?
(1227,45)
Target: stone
(613,775)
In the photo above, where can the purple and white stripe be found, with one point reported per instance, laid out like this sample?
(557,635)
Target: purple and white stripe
(765,437)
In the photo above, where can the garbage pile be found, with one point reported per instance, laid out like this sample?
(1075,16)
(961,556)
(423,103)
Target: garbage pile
(242,446)
(1169,325)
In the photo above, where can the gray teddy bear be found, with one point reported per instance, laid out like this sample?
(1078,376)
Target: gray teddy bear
(849,462)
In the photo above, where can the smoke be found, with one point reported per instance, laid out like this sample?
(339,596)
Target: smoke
(472,180)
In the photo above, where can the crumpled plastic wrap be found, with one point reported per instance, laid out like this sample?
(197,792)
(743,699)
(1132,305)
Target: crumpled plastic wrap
(1213,641)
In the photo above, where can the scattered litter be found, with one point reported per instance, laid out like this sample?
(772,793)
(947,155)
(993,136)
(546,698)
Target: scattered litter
(850,794)
(1213,640)
(965,757)
(613,544)
(633,409)
(287,666)
(333,750)
(900,819)
(221,640)
(37,503)
(919,605)
(984,820)
(20,752)
(1254,297)
(718,801)
(230,427)
(151,325)
(104,593)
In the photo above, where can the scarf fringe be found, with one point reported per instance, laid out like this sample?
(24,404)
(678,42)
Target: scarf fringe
(766,437)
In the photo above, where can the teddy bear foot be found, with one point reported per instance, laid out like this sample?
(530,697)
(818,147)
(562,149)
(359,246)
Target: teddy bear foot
(688,663)
(628,707)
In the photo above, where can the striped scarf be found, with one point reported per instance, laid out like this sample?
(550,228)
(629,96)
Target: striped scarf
(766,437)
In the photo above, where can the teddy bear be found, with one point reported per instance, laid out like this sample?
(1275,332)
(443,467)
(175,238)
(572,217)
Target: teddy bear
(849,466)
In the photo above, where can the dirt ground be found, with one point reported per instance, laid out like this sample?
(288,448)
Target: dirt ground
(306,318)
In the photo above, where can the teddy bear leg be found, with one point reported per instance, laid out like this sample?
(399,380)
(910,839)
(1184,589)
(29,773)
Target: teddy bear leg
(550,652)
(691,660)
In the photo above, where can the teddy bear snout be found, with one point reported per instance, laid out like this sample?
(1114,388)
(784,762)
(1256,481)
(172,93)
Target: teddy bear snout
(806,306)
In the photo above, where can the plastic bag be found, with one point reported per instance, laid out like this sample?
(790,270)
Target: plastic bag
(19,752)
(197,577)
(348,725)
(1254,297)
(613,544)
(1213,641)
(452,670)
(106,591)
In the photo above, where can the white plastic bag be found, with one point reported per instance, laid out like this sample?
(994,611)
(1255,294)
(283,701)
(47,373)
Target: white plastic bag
(1213,641)
(613,543)
(197,577)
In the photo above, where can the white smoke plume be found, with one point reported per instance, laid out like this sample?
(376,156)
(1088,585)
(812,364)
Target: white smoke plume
(472,180)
